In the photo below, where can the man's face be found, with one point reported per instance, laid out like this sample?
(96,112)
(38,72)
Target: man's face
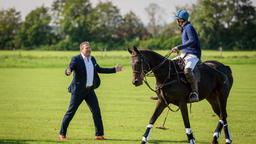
(86,50)
(179,22)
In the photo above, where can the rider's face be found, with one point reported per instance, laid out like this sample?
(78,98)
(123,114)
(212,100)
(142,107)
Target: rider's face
(179,22)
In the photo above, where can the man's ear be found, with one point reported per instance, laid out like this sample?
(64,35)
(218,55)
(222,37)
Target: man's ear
(129,50)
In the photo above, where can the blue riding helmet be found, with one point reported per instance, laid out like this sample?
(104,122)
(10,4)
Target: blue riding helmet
(182,14)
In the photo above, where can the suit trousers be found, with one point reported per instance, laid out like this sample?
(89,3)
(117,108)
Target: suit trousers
(89,96)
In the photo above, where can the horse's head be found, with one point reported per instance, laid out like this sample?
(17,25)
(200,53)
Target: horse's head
(139,66)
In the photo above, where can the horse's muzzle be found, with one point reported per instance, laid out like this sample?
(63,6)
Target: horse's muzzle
(137,82)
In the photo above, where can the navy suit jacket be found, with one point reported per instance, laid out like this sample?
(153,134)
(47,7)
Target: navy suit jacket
(78,68)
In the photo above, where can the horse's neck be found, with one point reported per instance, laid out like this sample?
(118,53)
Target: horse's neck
(162,73)
(160,69)
(166,72)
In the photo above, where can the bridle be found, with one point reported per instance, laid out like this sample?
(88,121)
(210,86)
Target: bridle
(149,70)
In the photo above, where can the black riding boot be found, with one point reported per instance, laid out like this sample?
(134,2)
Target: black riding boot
(193,96)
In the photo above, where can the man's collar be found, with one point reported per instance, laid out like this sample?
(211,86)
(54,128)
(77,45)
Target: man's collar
(182,27)
(187,22)
(83,56)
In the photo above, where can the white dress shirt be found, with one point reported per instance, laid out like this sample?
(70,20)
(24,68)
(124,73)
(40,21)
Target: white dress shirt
(89,70)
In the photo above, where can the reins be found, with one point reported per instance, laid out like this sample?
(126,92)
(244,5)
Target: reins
(158,88)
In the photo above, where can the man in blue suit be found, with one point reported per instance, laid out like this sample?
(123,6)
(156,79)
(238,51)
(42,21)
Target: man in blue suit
(86,79)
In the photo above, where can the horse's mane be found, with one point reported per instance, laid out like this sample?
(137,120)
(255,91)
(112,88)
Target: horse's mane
(152,53)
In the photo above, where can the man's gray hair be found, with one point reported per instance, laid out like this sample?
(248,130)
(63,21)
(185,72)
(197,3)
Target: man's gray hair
(84,43)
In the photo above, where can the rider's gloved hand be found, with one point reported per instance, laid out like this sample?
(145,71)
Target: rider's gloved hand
(175,50)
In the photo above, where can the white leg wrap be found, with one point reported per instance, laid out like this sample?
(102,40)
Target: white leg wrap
(149,126)
(216,134)
(188,131)
(222,122)
(228,141)
(144,139)
(149,134)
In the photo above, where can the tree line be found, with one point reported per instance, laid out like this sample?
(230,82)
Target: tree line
(230,25)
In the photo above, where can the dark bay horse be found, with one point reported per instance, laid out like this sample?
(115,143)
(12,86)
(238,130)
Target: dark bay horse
(215,83)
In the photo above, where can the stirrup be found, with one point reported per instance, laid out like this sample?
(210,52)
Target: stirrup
(193,97)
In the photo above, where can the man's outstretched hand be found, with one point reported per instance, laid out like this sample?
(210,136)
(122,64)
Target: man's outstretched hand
(118,68)
(68,72)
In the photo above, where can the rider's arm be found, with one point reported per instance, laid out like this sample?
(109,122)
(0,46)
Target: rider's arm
(191,38)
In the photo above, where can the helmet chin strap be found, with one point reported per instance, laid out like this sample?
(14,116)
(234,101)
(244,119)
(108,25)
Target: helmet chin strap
(181,24)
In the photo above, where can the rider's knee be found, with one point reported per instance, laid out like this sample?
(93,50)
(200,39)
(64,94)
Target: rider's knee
(187,71)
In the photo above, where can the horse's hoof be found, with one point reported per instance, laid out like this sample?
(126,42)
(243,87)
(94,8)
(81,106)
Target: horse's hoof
(143,142)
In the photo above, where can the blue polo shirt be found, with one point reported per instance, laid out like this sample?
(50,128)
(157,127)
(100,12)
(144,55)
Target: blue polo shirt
(190,42)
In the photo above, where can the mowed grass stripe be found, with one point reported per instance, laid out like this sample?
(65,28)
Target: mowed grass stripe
(53,59)
(34,100)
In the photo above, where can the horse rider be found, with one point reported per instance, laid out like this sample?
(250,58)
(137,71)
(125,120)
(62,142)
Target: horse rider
(191,51)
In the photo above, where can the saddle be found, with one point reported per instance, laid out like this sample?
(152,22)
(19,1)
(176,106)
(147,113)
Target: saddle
(181,65)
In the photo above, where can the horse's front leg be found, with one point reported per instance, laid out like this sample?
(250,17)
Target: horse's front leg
(184,112)
(158,110)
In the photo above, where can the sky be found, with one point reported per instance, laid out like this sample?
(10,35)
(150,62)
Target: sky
(137,6)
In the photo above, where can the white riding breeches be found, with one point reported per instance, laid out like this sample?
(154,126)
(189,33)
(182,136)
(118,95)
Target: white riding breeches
(189,59)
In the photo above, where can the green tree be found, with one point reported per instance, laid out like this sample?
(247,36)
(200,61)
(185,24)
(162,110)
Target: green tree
(35,30)
(132,27)
(170,30)
(9,24)
(205,17)
(74,22)
(225,23)
(156,21)
(57,9)
(243,25)
(105,23)
(56,14)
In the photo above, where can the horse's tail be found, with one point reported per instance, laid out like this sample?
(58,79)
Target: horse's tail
(223,76)
(228,73)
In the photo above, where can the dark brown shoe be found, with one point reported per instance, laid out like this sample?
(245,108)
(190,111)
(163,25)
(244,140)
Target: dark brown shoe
(100,138)
(62,138)
(154,98)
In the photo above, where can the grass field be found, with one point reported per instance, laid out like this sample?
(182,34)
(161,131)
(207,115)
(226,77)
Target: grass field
(34,98)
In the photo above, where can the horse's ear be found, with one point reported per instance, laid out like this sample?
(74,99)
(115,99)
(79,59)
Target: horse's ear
(135,49)
(129,50)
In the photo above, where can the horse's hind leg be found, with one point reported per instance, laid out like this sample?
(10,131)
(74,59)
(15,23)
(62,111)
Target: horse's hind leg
(219,106)
(216,108)
(158,110)
(223,115)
